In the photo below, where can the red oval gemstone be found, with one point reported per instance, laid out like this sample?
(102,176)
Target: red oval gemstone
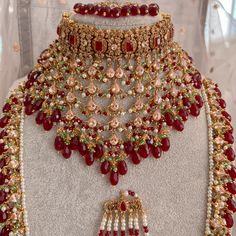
(59,143)
(231,187)
(156,151)
(169,119)
(91,9)
(82,148)
(74,143)
(227,115)
(199,101)
(134,10)
(2,148)
(47,124)
(76,7)
(3,216)
(2,178)
(3,133)
(232,172)
(183,114)
(165,144)
(98,151)
(229,137)
(56,115)
(186,102)
(2,163)
(178,125)
(122,167)
(222,103)
(89,159)
(153,9)
(66,152)
(4,121)
(3,196)
(115,12)
(194,110)
(230,154)
(40,118)
(105,167)
(82,9)
(128,147)
(143,10)
(143,151)
(229,220)
(114,178)
(123,206)
(5,231)
(231,205)
(136,159)
(125,10)
(6,108)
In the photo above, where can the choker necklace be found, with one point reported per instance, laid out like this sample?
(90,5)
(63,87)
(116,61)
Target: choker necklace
(67,88)
(113,94)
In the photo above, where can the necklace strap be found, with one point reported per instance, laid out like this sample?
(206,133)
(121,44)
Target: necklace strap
(88,40)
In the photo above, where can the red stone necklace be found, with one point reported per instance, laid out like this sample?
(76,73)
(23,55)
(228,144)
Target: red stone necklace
(114,95)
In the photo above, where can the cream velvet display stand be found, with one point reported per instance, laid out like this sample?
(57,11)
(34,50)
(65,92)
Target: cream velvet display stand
(64,197)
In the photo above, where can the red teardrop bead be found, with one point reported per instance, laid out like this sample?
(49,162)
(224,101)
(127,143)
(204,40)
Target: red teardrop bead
(89,159)
(231,187)
(40,118)
(128,147)
(183,114)
(38,104)
(194,110)
(4,121)
(3,133)
(156,151)
(230,154)
(122,167)
(231,205)
(222,103)
(229,220)
(114,178)
(82,148)
(169,119)
(218,91)
(229,137)
(66,152)
(3,196)
(125,10)
(232,172)
(165,144)
(47,124)
(2,148)
(98,151)
(143,10)
(178,125)
(136,159)
(2,163)
(59,143)
(56,115)
(29,109)
(6,108)
(3,216)
(143,151)
(105,167)
(199,101)
(197,80)
(5,231)
(227,115)
(186,102)
(2,178)
(74,143)
(123,206)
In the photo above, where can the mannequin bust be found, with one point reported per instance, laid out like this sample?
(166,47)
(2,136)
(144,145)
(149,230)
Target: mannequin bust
(65,197)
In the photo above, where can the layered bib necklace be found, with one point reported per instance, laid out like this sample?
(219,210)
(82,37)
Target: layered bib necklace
(114,96)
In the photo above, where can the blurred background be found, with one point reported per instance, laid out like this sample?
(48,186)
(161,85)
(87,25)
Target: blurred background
(204,28)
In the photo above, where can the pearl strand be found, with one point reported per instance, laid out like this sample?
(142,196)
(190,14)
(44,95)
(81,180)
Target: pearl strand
(211,163)
(27,233)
